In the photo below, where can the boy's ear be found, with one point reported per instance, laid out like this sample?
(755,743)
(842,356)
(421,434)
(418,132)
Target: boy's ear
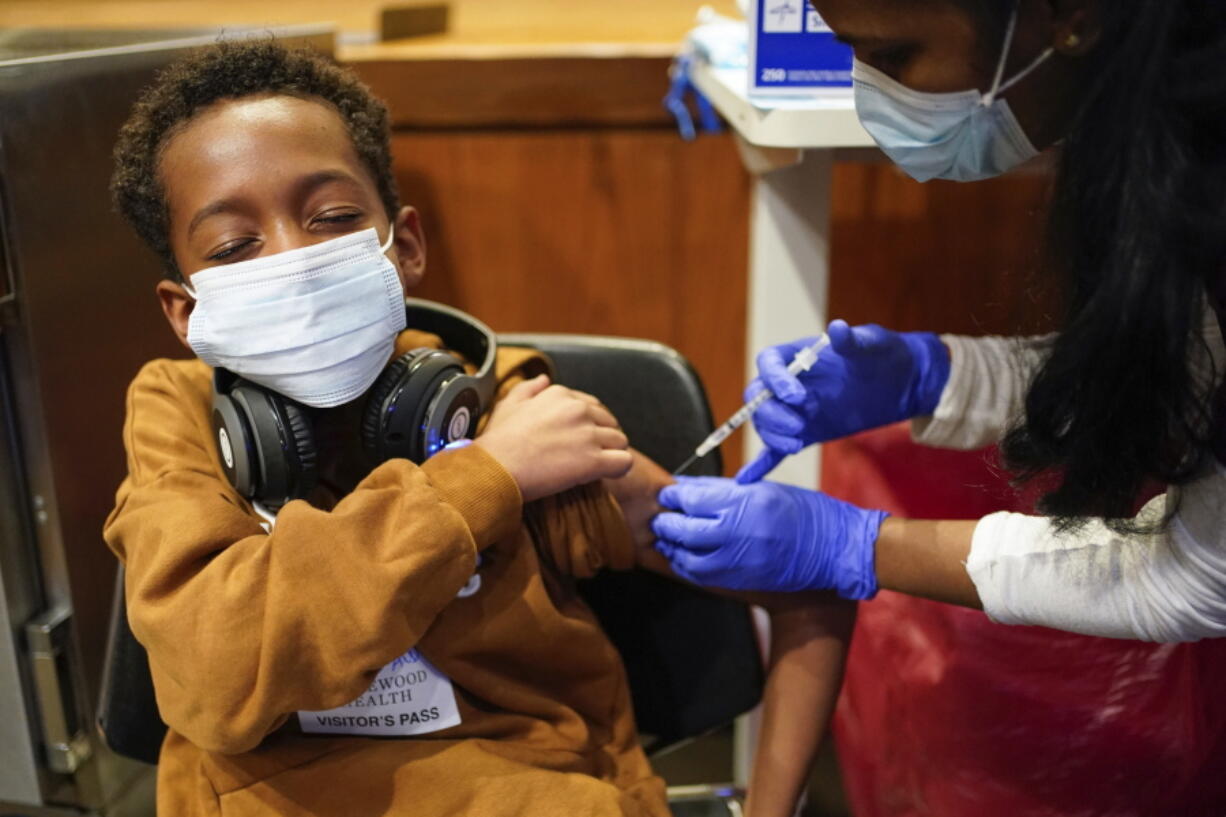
(177,306)
(410,246)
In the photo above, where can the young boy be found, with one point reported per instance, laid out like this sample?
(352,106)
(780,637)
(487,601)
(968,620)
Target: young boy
(404,639)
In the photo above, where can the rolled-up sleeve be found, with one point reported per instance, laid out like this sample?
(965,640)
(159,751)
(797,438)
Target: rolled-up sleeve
(582,531)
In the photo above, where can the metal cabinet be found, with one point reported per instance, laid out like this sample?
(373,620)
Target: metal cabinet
(78,317)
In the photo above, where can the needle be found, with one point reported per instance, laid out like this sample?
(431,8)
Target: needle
(803,361)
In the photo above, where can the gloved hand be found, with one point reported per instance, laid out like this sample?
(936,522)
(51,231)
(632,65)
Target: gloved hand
(767,536)
(867,377)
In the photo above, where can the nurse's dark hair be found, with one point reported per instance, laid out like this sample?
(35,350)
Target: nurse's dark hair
(1138,231)
(233,70)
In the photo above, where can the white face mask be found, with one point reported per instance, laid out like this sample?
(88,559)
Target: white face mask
(316,324)
(963,136)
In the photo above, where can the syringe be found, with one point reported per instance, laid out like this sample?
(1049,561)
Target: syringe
(803,361)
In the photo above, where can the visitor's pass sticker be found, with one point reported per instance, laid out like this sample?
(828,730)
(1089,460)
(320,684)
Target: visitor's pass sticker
(408,697)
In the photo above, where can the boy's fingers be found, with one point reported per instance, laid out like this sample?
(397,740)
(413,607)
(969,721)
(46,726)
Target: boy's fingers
(526,390)
(614,463)
(585,397)
(602,416)
(612,438)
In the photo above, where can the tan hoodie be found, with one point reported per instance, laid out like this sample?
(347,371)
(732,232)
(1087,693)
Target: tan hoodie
(245,628)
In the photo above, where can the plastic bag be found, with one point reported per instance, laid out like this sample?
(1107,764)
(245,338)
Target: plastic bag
(945,713)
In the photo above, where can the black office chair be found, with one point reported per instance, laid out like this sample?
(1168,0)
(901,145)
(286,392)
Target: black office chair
(692,658)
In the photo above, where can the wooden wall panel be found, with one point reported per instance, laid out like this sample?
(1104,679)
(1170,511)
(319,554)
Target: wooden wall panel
(621,232)
(939,256)
(543,92)
(634,232)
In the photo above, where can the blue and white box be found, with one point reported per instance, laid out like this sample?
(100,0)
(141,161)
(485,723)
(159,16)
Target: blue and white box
(793,52)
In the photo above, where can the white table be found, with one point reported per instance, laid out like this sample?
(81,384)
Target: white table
(790,149)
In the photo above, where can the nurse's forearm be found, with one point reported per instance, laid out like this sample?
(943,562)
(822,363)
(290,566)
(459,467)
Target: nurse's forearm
(927,559)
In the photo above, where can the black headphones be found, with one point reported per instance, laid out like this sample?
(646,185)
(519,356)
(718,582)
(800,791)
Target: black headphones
(423,400)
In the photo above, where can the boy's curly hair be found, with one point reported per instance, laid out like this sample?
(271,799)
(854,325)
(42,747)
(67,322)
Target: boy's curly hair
(232,70)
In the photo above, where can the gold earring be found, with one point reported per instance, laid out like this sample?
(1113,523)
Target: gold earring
(1072,41)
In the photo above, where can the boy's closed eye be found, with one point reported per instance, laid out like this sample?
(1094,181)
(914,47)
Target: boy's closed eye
(330,223)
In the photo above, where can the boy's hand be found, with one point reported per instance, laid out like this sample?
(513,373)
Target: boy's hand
(552,438)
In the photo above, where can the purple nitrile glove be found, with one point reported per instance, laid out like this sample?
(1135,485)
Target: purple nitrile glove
(867,377)
(768,537)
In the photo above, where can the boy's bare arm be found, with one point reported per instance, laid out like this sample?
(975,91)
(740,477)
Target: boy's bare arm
(809,641)
(810,634)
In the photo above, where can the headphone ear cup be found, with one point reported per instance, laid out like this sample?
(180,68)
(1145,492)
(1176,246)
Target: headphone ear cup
(392,424)
(301,440)
(235,445)
(283,442)
(372,414)
(453,412)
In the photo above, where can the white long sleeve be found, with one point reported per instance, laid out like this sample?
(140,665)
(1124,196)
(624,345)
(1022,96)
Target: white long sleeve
(988,379)
(1167,586)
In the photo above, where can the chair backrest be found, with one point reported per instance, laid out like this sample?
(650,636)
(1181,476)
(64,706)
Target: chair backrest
(692,658)
(127,711)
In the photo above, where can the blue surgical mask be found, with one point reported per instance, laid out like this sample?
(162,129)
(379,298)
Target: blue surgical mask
(963,136)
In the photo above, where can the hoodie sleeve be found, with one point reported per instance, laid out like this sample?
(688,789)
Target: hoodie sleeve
(582,531)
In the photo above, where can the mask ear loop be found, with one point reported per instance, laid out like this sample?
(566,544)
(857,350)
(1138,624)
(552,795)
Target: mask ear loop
(990,96)
(999,87)
(1025,72)
(387,245)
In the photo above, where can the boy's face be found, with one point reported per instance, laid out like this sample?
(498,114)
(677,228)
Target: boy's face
(261,175)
